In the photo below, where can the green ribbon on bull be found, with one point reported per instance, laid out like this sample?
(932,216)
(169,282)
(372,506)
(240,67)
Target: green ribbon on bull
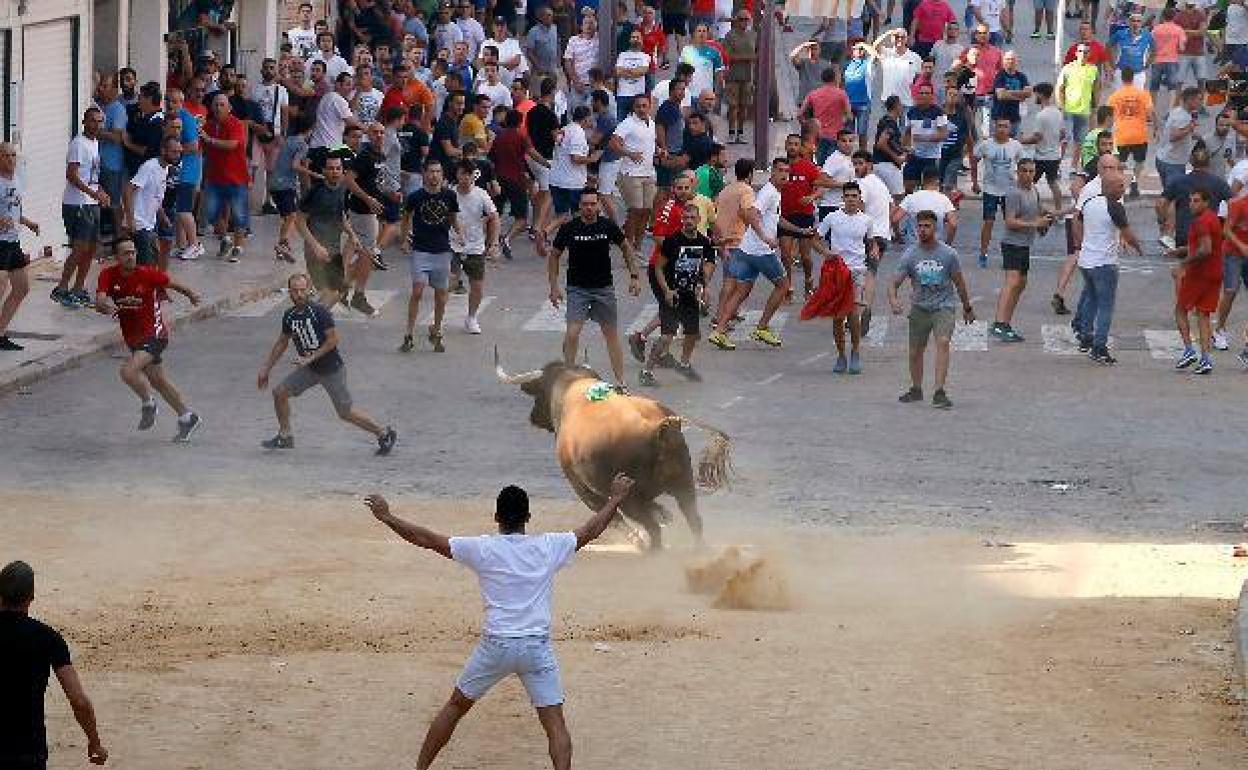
(599,391)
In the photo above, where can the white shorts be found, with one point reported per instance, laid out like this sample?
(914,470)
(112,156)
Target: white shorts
(890,175)
(859,276)
(541,175)
(532,658)
(607,173)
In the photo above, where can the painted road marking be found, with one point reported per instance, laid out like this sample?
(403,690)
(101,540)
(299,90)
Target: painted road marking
(456,309)
(1060,340)
(732,402)
(1140,266)
(1163,344)
(769,380)
(377,298)
(878,331)
(814,358)
(548,318)
(260,308)
(972,336)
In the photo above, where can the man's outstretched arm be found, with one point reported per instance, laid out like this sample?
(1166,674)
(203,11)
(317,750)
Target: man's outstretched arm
(597,524)
(412,533)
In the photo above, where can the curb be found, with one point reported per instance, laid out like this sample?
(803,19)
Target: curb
(74,356)
(1239,686)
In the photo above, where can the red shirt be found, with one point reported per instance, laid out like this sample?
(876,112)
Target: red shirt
(1190,19)
(508,153)
(986,68)
(653,41)
(930,19)
(802,175)
(1210,268)
(1097,53)
(136,298)
(666,223)
(226,166)
(829,104)
(1237,218)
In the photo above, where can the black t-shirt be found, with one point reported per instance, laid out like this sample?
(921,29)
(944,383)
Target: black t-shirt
(446,128)
(955,141)
(308,326)
(589,251)
(29,652)
(485,173)
(245,109)
(1008,108)
(887,125)
(145,131)
(431,219)
(415,143)
(367,166)
(697,147)
(542,123)
(684,257)
(1179,193)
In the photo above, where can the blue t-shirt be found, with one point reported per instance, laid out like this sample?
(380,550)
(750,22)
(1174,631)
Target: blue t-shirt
(1008,108)
(1132,50)
(858,81)
(192,165)
(605,123)
(111,156)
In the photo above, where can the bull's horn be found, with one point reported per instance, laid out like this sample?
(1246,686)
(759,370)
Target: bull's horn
(513,379)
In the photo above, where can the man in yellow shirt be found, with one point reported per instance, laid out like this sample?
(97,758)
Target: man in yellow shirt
(472,126)
(1133,124)
(1076,90)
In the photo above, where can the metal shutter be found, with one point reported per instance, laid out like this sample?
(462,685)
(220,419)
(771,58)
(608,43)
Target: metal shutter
(47,115)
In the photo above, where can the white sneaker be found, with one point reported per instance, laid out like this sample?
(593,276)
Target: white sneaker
(193,252)
(1220,342)
(471,325)
(1167,241)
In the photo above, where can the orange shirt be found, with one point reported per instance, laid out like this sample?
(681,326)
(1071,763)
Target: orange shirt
(1131,107)
(731,202)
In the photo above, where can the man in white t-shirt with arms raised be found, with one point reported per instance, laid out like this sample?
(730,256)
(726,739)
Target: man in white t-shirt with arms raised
(516,572)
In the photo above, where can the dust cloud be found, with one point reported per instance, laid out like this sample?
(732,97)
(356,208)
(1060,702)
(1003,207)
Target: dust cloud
(741,579)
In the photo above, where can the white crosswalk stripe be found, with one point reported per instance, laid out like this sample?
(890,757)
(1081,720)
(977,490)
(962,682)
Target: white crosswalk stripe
(260,308)
(972,336)
(548,318)
(1060,340)
(1163,344)
(456,309)
(378,298)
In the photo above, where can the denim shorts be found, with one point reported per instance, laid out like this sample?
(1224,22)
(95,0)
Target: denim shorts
(433,269)
(82,223)
(597,305)
(185,203)
(145,247)
(862,119)
(1169,172)
(1164,74)
(216,196)
(991,204)
(532,658)
(747,267)
(1234,272)
(564,199)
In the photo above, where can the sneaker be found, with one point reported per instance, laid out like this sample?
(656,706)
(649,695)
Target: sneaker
(81,298)
(408,344)
(459,288)
(1050,36)
(8,344)
(983,260)
(1102,357)
(1058,303)
(196,250)
(999,330)
(435,339)
(1085,343)
(688,372)
(1133,191)
(1167,241)
(223,250)
(279,442)
(1035,35)
(647,378)
(840,366)
(1011,335)
(912,395)
(147,416)
(360,302)
(721,341)
(472,325)
(1186,359)
(1220,342)
(1242,357)
(235,254)
(187,427)
(940,400)
(378,262)
(637,346)
(386,441)
(668,361)
(855,364)
(1203,366)
(62,296)
(766,336)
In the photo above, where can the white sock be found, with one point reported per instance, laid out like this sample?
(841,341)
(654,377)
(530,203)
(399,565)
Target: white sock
(186,417)
(151,401)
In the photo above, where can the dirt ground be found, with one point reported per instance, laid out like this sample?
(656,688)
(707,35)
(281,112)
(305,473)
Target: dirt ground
(271,634)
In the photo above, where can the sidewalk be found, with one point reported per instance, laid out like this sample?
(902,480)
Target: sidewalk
(57,338)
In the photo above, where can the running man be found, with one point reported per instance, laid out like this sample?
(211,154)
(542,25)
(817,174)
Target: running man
(430,214)
(478,236)
(133,293)
(684,264)
(322,221)
(1199,276)
(13,260)
(934,272)
(311,326)
(516,572)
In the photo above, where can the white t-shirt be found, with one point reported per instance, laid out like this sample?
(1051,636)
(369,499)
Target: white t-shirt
(150,182)
(86,153)
(10,207)
(767,202)
(474,35)
(840,167)
(897,72)
(1101,245)
(583,53)
(331,119)
(991,10)
(498,93)
(516,574)
(263,95)
(631,60)
(846,234)
(563,172)
(506,50)
(638,136)
(474,208)
(1239,173)
(876,200)
(929,200)
(302,41)
(335,65)
(1236,32)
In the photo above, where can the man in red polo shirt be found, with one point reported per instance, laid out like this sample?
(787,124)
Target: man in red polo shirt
(132,293)
(797,207)
(225,175)
(653,40)
(1200,281)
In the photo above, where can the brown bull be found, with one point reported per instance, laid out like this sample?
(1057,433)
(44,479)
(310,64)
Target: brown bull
(600,432)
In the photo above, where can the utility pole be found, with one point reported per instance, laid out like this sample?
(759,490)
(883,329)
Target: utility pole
(606,36)
(764,80)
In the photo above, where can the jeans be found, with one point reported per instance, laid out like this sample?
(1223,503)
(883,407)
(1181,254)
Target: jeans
(1096,305)
(217,196)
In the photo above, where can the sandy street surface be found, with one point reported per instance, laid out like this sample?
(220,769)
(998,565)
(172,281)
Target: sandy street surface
(264,633)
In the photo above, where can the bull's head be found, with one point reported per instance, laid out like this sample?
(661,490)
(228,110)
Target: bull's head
(546,386)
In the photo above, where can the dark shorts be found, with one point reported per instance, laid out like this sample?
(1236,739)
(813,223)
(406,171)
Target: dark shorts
(991,204)
(153,346)
(564,200)
(185,203)
(685,315)
(597,305)
(12,257)
(1015,257)
(473,265)
(1048,169)
(82,223)
(146,247)
(1136,152)
(326,275)
(664,176)
(391,211)
(675,24)
(286,201)
(516,196)
(800,220)
(24,762)
(1234,272)
(916,167)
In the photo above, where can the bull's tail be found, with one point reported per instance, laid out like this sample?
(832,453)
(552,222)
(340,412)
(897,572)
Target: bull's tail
(715,465)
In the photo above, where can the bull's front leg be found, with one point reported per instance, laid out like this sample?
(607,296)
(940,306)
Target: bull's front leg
(594,501)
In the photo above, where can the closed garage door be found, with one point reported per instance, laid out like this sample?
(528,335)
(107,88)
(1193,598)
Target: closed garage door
(47,115)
